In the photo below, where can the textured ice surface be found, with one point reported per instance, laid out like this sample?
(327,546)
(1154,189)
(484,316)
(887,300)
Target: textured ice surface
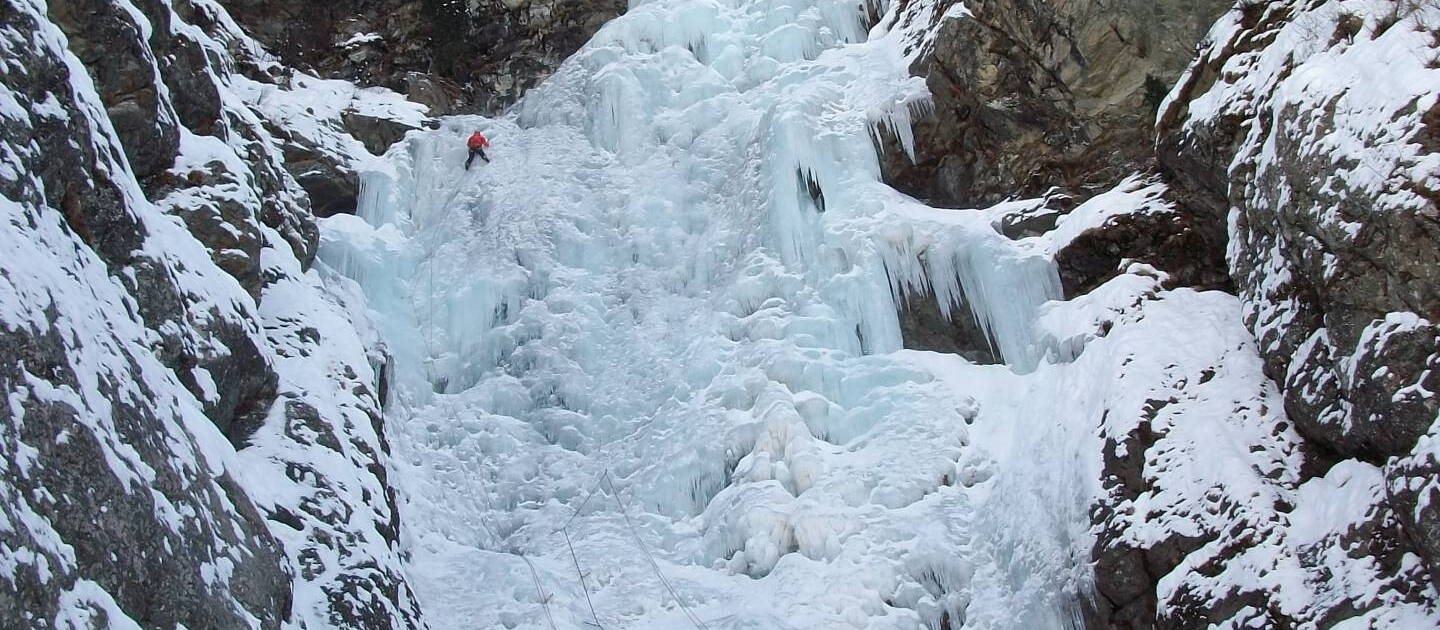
(681,268)
(661,325)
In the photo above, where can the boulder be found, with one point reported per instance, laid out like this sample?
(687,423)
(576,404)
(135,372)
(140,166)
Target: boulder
(375,132)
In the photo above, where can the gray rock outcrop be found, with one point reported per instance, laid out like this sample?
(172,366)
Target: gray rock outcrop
(1322,197)
(118,491)
(1334,231)
(1335,257)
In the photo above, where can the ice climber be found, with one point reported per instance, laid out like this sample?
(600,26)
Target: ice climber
(477,144)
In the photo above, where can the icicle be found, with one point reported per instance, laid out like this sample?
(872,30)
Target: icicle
(898,120)
(965,262)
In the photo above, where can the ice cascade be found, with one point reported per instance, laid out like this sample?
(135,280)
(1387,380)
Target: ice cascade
(680,274)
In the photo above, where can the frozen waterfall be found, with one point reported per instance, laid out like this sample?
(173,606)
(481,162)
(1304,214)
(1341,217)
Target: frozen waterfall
(664,319)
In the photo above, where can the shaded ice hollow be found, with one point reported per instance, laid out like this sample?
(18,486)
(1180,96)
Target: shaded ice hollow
(665,312)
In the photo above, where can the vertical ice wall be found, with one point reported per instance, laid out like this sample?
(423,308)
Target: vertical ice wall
(663,313)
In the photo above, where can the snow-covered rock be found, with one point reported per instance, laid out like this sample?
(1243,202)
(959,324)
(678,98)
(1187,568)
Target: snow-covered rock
(191,430)
(1318,186)
(1327,186)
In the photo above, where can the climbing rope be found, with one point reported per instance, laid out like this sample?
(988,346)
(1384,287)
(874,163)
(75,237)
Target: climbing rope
(581,576)
(607,483)
(430,240)
(655,566)
(544,599)
(589,495)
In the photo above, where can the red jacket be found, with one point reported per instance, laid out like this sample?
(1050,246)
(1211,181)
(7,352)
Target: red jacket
(477,141)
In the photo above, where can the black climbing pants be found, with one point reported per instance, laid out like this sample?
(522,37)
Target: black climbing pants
(474,152)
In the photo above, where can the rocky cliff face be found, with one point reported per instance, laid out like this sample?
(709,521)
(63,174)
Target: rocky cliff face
(1333,227)
(1274,178)
(1333,203)
(1055,102)
(451,55)
(1031,95)
(1323,194)
(192,435)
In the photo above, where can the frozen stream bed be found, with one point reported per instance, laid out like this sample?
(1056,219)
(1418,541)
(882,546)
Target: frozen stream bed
(655,340)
